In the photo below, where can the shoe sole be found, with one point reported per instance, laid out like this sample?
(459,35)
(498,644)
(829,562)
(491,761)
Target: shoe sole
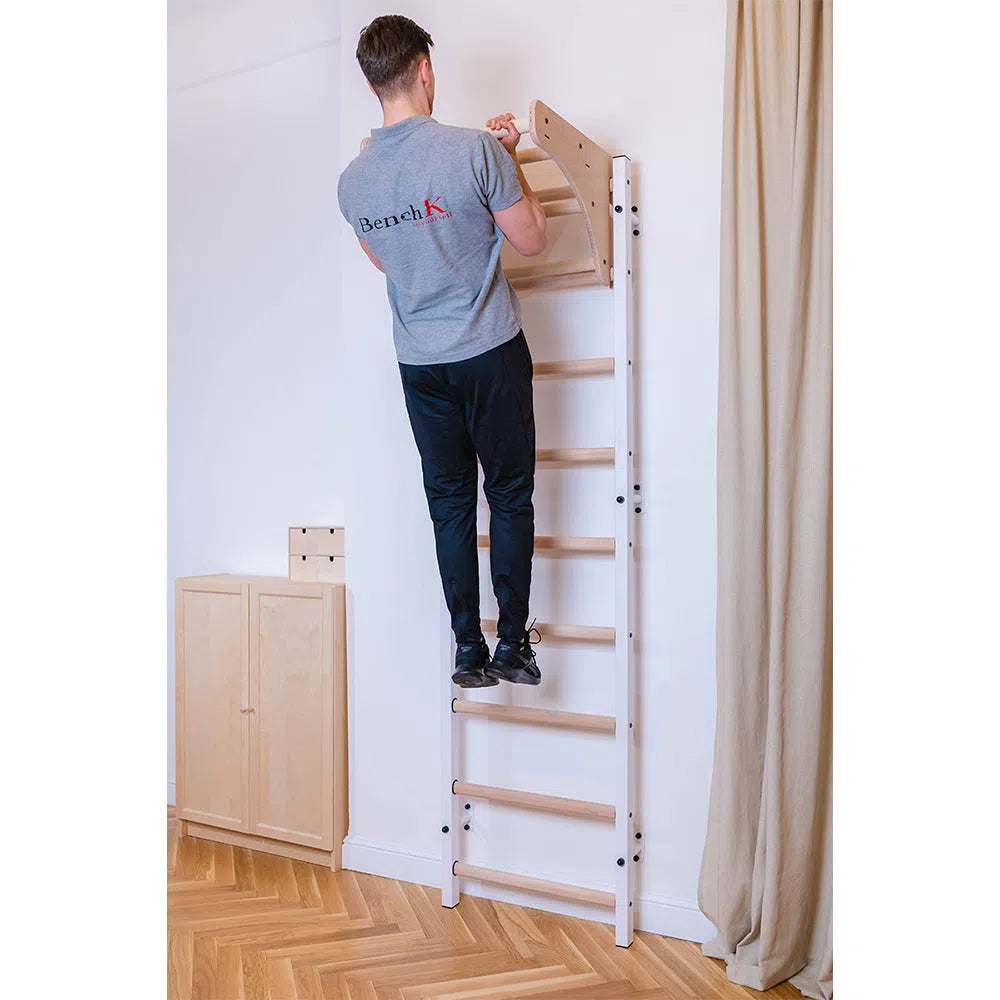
(516,676)
(474,681)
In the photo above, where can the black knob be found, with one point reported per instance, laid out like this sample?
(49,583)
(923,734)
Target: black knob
(621,499)
(444,829)
(618,208)
(635,208)
(638,510)
(621,862)
(635,857)
(638,836)
(467,827)
(468,805)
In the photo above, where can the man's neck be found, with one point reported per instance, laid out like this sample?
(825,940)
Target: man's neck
(396,111)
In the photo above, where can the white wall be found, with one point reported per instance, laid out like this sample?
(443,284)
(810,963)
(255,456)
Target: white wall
(643,79)
(254,288)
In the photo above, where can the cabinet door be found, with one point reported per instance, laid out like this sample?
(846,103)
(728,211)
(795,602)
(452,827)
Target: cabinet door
(291,725)
(212,685)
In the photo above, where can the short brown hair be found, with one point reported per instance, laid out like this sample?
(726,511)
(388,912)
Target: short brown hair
(389,50)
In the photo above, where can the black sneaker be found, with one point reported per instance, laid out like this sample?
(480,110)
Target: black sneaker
(470,659)
(515,661)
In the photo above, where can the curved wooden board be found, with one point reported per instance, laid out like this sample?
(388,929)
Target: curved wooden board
(587,167)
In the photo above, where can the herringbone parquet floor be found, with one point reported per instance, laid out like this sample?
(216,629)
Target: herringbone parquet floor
(247,925)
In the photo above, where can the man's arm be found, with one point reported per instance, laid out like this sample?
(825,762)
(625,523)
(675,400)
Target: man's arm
(524,223)
(371,256)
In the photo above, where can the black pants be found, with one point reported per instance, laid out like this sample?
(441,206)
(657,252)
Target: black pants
(482,406)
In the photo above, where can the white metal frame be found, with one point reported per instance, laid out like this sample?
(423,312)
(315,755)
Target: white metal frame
(449,770)
(627,499)
(629,504)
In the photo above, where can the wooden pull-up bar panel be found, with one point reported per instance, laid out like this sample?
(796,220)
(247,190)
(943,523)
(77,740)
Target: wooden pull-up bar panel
(587,169)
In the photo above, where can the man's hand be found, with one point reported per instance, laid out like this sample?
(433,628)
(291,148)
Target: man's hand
(506,121)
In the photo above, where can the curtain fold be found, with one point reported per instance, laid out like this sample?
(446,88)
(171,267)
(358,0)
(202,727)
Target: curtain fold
(766,869)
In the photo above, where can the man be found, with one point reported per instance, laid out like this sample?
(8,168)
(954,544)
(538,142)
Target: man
(431,205)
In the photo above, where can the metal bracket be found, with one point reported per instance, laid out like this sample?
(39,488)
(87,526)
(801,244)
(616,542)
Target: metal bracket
(637,848)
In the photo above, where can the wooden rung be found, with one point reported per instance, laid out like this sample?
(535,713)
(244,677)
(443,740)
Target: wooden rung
(560,193)
(565,206)
(586,279)
(574,366)
(551,269)
(565,543)
(532,800)
(536,716)
(533,154)
(586,633)
(575,456)
(560,890)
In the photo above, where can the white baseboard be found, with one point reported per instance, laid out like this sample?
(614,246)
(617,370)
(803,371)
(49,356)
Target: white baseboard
(657,914)
(391,862)
(171,793)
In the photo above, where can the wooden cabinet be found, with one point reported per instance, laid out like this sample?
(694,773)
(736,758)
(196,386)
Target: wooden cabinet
(262,714)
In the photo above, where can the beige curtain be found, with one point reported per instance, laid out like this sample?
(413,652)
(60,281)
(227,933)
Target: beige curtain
(766,870)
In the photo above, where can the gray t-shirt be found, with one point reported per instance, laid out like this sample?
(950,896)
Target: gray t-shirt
(420,195)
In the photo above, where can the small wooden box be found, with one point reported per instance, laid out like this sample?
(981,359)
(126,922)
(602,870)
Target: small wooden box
(316,555)
(316,541)
(316,569)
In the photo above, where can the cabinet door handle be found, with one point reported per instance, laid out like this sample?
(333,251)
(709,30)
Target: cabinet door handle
(244,711)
